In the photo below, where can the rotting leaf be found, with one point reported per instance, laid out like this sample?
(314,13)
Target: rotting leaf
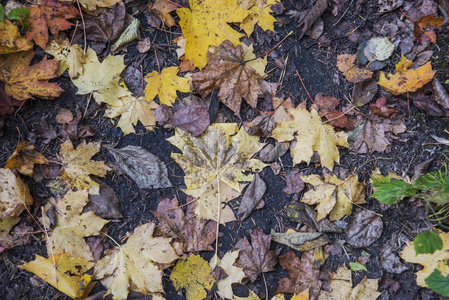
(93,5)
(194,234)
(390,259)
(24,158)
(106,204)
(312,15)
(205,24)
(228,72)
(193,274)
(326,108)
(364,92)
(256,258)
(21,234)
(272,153)
(294,182)
(23,81)
(310,135)
(107,24)
(145,168)
(234,274)
(363,229)
(65,273)
(301,274)
(252,199)
(134,265)
(423,28)
(14,194)
(380,108)
(214,163)
(301,241)
(49,15)
(302,213)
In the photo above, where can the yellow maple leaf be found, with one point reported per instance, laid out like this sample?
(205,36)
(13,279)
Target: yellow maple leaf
(14,194)
(333,196)
(165,85)
(102,79)
(133,266)
(24,158)
(341,287)
(214,164)
(63,272)
(193,274)
(258,13)
(235,274)
(71,57)
(11,40)
(132,110)
(77,166)
(405,79)
(310,134)
(72,227)
(437,260)
(205,24)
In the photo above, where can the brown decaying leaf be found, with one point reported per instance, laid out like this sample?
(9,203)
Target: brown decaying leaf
(162,9)
(194,234)
(24,158)
(234,79)
(433,98)
(363,229)
(389,284)
(312,15)
(301,212)
(193,118)
(145,168)
(301,274)
(252,199)
(107,25)
(390,259)
(326,108)
(345,63)
(20,236)
(271,153)
(301,241)
(294,183)
(106,205)
(423,28)
(75,130)
(375,134)
(262,125)
(364,92)
(7,103)
(380,108)
(23,81)
(49,15)
(256,258)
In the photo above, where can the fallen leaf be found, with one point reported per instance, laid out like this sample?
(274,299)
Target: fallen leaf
(106,204)
(363,229)
(391,192)
(131,110)
(71,57)
(162,9)
(65,273)
(423,28)
(92,5)
(378,48)
(193,118)
(310,135)
(234,274)
(334,196)
(294,182)
(389,284)
(21,234)
(10,39)
(14,194)
(107,24)
(128,35)
(251,296)
(345,63)
(301,274)
(134,265)
(261,125)
(24,158)
(304,295)
(145,168)
(390,259)
(302,213)
(258,13)
(312,15)
(214,164)
(301,241)
(194,275)
(356,266)
(438,283)
(72,226)
(341,287)
(380,108)
(406,79)
(194,234)
(252,199)
(72,130)
(77,166)
(23,81)
(102,79)
(64,116)
(205,24)
(227,72)
(364,92)
(256,258)
(326,108)
(433,98)
(165,85)
(7,103)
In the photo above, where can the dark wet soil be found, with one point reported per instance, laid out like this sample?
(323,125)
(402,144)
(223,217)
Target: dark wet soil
(316,66)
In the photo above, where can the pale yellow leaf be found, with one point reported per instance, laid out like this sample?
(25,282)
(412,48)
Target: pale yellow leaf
(71,57)
(14,194)
(235,274)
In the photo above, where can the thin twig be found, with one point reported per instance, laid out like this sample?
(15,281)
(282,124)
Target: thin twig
(266,286)
(218,219)
(297,73)
(84,26)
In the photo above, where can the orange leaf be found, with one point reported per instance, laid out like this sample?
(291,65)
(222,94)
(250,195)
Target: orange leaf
(423,29)
(405,79)
(23,81)
(345,63)
(49,15)
(24,158)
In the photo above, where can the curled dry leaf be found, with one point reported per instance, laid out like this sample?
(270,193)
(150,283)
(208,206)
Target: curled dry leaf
(14,194)
(363,229)
(252,199)
(23,81)
(194,234)
(145,168)
(433,98)
(345,63)
(162,9)
(236,81)
(256,258)
(312,15)
(24,158)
